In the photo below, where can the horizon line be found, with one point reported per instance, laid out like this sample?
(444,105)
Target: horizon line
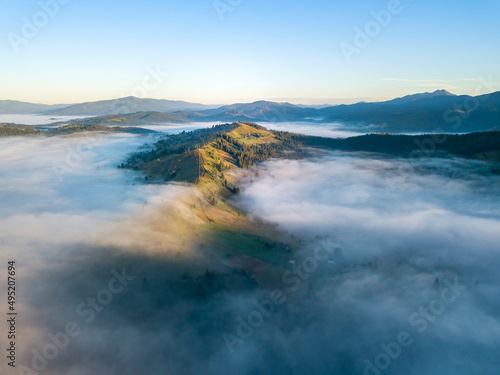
(293,101)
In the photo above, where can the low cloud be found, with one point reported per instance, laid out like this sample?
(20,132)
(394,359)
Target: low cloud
(406,231)
(404,234)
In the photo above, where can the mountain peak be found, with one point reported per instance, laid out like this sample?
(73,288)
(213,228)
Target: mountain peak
(127,104)
(442,93)
(420,96)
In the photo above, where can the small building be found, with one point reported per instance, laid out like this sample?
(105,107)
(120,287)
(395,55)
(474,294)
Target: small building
(291,261)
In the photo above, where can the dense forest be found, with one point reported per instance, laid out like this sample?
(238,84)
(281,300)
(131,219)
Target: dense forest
(247,155)
(181,143)
(11,131)
(473,145)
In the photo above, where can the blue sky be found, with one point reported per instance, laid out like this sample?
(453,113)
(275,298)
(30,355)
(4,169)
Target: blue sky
(250,50)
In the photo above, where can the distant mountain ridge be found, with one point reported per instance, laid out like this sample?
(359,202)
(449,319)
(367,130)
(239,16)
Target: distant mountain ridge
(416,97)
(432,112)
(16,107)
(132,104)
(438,111)
(265,111)
(129,104)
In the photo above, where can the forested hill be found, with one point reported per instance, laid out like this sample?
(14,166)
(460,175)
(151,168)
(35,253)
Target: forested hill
(481,145)
(10,130)
(206,154)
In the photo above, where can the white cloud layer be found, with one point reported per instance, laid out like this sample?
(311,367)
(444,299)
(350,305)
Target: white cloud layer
(405,231)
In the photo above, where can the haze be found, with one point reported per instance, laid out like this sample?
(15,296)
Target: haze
(399,231)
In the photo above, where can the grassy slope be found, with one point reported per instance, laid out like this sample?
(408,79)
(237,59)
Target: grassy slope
(229,228)
(199,158)
(213,220)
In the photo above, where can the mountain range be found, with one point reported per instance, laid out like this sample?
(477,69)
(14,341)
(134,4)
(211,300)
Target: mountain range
(425,112)
(129,104)
(22,108)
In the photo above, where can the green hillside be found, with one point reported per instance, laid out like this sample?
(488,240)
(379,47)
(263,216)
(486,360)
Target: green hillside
(206,154)
(8,130)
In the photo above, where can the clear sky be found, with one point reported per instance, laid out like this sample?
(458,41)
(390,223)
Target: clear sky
(283,50)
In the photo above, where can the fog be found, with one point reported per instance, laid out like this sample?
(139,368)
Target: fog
(407,230)
(36,119)
(63,193)
(174,128)
(409,234)
(330,130)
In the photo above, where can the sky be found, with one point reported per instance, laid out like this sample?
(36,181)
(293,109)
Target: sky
(226,51)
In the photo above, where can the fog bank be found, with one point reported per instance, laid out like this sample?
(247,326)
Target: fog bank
(410,280)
